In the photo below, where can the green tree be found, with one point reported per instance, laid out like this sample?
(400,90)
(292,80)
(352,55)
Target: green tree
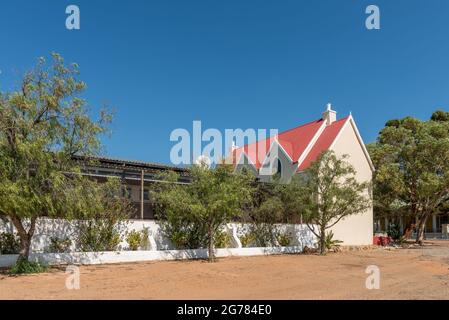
(263,219)
(43,125)
(101,211)
(412,161)
(266,209)
(328,192)
(440,115)
(213,198)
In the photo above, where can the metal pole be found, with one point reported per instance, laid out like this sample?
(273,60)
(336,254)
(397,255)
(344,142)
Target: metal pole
(141,194)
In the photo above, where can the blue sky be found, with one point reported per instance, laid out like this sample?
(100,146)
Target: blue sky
(236,63)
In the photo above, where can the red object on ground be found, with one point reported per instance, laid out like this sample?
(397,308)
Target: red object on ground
(382,241)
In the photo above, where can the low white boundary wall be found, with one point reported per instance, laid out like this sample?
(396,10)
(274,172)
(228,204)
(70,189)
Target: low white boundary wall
(136,256)
(160,248)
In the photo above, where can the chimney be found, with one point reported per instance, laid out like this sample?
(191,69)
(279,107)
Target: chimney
(231,158)
(233,147)
(329,115)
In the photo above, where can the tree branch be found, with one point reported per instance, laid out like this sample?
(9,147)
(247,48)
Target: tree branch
(313,230)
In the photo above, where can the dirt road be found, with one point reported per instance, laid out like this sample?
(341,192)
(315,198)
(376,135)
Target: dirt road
(404,274)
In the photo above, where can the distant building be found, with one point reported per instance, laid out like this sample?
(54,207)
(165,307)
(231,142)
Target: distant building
(136,176)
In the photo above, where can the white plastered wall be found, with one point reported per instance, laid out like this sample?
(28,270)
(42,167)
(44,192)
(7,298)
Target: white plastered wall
(355,229)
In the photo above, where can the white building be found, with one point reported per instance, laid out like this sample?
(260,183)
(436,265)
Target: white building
(290,152)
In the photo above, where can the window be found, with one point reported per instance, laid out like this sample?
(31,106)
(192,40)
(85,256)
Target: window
(146,194)
(278,170)
(444,219)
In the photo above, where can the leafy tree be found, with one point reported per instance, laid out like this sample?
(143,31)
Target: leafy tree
(9,243)
(328,192)
(440,115)
(173,207)
(43,125)
(412,161)
(262,213)
(101,212)
(212,198)
(263,222)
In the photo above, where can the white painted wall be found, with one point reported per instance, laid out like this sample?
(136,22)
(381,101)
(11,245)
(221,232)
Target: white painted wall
(137,256)
(48,228)
(356,229)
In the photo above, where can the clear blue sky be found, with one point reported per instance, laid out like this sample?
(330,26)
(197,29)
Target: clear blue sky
(236,63)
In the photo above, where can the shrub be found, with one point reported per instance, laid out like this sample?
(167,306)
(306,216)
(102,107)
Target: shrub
(284,239)
(58,245)
(144,241)
(264,234)
(25,266)
(222,239)
(263,217)
(138,239)
(330,242)
(394,231)
(134,239)
(246,239)
(102,220)
(9,243)
(183,233)
(99,235)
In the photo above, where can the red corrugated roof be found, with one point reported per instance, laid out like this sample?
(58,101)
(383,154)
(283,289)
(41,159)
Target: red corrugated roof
(256,151)
(294,142)
(323,143)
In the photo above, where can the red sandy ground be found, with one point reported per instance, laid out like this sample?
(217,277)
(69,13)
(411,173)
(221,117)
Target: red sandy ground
(417,273)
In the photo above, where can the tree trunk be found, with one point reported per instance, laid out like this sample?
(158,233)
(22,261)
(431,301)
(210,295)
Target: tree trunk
(408,230)
(322,240)
(25,245)
(211,245)
(421,228)
(24,236)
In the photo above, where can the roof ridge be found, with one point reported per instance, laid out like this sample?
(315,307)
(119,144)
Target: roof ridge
(291,129)
(302,125)
(341,122)
(305,124)
(288,130)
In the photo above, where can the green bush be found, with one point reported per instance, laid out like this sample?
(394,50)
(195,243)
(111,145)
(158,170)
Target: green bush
(222,239)
(134,239)
(330,242)
(265,234)
(99,235)
(263,217)
(183,233)
(145,241)
(9,243)
(25,266)
(284,239)
(394,231)
(58,245)
(246,239)
(101,225)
